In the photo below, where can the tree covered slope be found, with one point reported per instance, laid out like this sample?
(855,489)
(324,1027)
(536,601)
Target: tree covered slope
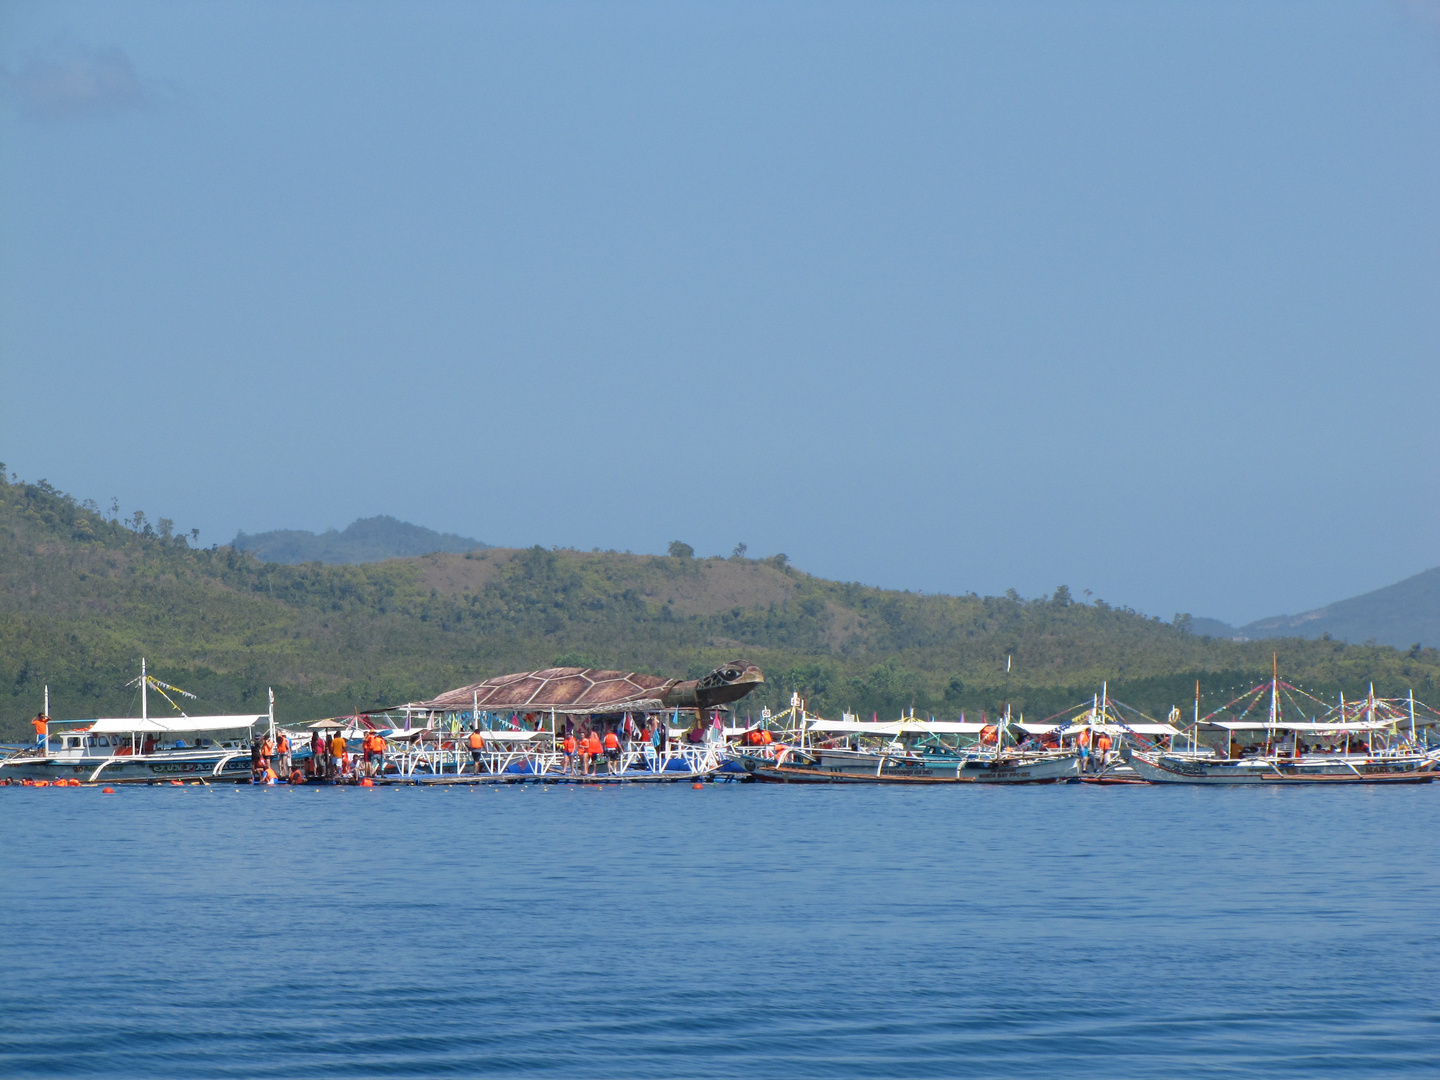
(372,539)
(83,597)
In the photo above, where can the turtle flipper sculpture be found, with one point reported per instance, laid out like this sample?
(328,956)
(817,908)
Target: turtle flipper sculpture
(587,690)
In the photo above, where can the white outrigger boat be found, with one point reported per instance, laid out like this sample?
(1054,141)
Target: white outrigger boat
(904,751)
(140,749)
(1376,741)
(1096,731)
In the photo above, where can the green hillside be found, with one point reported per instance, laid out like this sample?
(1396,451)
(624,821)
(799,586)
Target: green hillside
(372,539)
(83,596)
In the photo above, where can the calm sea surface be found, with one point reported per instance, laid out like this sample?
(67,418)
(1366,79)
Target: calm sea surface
(739,930)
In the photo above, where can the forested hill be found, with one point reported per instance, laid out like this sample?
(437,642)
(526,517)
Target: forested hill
(372,539)
(83,597)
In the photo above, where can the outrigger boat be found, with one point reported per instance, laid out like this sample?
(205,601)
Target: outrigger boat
(1095,730)
(1377,741)
(140,750)
(904,751)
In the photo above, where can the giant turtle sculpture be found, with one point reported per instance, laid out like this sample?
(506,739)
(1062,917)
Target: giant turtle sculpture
(587,690)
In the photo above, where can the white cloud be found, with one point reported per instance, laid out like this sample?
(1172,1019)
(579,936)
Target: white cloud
(67,82)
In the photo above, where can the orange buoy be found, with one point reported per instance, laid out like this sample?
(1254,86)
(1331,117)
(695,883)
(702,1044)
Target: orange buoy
(177,783)
(367,782)
(108,791)
(698,787)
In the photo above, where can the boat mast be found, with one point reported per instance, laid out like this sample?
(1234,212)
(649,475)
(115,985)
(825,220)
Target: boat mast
(144,697)
(1412,716)
(1195,731)
(1274,696)
(1370,719)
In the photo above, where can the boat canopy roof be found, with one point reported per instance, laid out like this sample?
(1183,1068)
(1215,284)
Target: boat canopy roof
(900,727)
(178,725)
(400,735)
(1300,725)
(1139,729)
(507,736)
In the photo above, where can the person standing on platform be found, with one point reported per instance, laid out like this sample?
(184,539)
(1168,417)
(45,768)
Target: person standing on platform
(612,752)
(477,748)
(584,751)
(282,754)
(570,746)
(337,755)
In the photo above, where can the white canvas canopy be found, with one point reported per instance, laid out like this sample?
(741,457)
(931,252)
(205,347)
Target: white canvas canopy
(899,727)
(506,736)
(1310,726)
(1139,729)
(179,725)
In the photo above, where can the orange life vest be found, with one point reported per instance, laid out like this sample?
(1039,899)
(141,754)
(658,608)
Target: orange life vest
(594,747)
(569,744)
(766,738)
(477,741)
(611,742)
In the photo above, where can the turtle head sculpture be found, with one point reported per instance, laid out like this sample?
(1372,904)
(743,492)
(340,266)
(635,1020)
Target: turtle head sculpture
(727,683)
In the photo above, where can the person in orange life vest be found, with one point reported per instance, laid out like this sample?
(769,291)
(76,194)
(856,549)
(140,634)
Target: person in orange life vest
(282,755)
(584,751)
(612,750)
(477,748)
(1082,744)
(570,746)
(39,723)
(1102,750)
(378,742)
(337,754)
(596,749)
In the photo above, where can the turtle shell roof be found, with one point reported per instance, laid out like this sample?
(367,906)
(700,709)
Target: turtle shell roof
(565,689)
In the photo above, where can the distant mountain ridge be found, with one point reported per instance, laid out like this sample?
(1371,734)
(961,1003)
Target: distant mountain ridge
(1400,615)
(365,540)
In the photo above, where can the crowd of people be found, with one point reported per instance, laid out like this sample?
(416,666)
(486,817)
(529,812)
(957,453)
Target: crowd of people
(272,758)
(590,745)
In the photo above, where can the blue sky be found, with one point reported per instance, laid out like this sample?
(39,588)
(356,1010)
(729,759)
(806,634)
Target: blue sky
(1139,298)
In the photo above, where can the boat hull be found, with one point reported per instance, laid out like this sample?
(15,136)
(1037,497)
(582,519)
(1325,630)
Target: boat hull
(1162,769)
(846,767)
(141,769)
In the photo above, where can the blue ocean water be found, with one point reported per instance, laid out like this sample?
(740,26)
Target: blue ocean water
(738,930)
